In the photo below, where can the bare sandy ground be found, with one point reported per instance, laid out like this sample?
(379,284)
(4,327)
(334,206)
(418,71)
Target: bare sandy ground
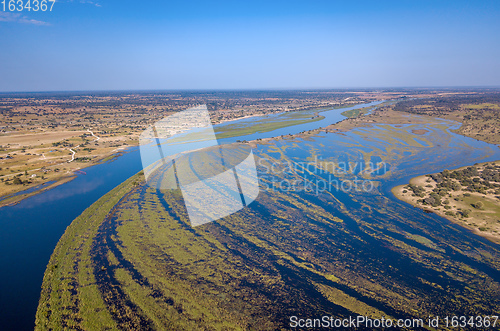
(39,138)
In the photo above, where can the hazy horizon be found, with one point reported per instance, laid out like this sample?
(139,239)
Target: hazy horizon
(319,89)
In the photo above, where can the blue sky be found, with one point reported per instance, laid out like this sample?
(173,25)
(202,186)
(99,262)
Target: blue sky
(116,45)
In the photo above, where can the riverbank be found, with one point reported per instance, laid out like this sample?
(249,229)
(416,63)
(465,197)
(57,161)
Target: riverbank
(50,181)
(468,196)
(15,198)
(35,162)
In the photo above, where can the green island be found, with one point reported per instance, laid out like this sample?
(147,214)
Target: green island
(129,265)
(357,112)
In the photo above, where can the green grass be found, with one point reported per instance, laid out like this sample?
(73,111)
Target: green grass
(482,106)
(357,112)
(490,209)
(72,252)
(111,157)
(263,127)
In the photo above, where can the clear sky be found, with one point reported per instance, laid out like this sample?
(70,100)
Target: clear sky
(240,44)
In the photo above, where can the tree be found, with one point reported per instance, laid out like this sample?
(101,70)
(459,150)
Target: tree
(478,205)
(430,201)
(17,181)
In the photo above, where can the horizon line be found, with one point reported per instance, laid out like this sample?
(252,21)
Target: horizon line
(372,88)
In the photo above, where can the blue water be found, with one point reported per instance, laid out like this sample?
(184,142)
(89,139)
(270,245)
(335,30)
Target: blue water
(385,225)
(330,116)
(30,230)
(30,190)
(444,150)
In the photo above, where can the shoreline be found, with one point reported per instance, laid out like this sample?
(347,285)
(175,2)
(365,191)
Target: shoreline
(17,197)
(14,198)
(478,222)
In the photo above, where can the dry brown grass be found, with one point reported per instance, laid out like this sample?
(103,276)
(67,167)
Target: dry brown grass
(39,138)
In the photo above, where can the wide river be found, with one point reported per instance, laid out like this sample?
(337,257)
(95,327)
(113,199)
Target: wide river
(30,230)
